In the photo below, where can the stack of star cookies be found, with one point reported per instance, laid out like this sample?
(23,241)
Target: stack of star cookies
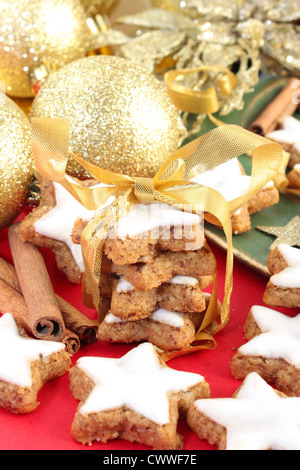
(155,266)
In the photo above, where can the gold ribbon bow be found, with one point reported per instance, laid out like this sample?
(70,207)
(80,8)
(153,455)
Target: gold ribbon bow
(170,185)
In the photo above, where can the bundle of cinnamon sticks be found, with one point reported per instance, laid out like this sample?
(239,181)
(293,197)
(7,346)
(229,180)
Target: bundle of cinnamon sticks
(27,293)
(284,104)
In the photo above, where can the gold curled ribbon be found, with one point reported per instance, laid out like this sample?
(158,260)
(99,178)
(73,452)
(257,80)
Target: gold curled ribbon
(199,101)
(170,185)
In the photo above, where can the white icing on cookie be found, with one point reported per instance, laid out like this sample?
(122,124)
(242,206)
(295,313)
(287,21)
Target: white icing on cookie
(143,218)
(297,167)
(289,134)
(17,352)
(145,383)
(175,319)
(289,277)
(280,337)
(258,418)
(59,222)
(183,280)
(111,318)
(124,286)
(228,180)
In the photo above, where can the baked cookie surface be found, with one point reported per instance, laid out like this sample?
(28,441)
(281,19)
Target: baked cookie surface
(283,288)
(136,397)
(180,293)
(272,349)
(167,330)
(26,364)
(50,225)
(257,417)
(162,267)
(147,229)
(294,177)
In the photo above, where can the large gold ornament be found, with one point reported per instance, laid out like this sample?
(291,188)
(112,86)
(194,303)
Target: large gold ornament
(16,162)
(121,117)
(35,33)
(101,7)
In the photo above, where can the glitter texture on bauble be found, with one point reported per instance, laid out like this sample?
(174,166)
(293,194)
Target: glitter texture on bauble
(36,33)
(16,162)
(121,117)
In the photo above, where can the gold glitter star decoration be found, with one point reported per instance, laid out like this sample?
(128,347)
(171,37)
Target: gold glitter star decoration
(288,234)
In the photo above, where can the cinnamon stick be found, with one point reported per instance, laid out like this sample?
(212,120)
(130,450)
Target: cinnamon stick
(272,116)
(85,328)
(74,320)
(9,275)
(45,317)
(71,341)
(12,301)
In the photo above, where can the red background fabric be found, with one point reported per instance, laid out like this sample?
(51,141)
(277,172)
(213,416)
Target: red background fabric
(49,426)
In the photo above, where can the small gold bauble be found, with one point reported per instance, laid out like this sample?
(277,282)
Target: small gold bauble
(101,7)
(34,32)
(16,162)
(121,117)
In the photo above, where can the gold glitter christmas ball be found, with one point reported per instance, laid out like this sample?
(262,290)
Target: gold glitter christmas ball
(101,7)
(121,117)
(35,33)
(16,162)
